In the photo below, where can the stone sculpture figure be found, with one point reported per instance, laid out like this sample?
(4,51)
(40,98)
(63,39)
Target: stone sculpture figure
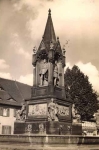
(76,117)
(41,128)
(52,111)
(56,74)
(44,73)
(51,45)
(21,114)
(34,50)
(96,116)
(28,128)
(63,51)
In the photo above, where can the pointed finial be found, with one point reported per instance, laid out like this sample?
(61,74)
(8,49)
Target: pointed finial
(51,45)
(34,50)
(43,37)
(63,51)
(57,38)
(49,12)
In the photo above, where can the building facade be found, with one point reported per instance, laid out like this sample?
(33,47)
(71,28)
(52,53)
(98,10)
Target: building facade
(12,95)
(7,118)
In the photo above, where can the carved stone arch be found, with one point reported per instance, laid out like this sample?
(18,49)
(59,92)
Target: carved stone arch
(57,56)
(42,55)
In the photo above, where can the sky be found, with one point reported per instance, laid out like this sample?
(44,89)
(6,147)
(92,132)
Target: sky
(22,24)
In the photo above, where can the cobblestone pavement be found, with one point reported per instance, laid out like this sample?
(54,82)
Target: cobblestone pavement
(46,147)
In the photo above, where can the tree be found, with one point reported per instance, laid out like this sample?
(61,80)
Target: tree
(81,92)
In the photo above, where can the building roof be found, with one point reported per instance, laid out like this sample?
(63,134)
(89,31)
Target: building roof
(13,92)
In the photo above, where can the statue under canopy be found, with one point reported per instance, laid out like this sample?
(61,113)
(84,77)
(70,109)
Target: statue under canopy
(44,73)
(56,74)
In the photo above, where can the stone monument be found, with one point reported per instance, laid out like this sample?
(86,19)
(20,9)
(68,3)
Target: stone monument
(47,111)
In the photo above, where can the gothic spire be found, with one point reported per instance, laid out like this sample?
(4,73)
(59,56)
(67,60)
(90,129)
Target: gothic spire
(49,33)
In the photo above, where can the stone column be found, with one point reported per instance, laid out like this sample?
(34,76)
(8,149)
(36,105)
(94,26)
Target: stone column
(50,74)
(51,58)
(60,73)
(37,74)
(63,65)
(34,68)
(62,76)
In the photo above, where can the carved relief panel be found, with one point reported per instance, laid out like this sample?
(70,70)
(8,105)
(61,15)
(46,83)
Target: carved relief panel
(37,110)
(63,110)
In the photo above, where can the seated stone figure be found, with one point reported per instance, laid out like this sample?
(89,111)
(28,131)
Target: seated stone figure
(21,114)
(75,116)
(96,117)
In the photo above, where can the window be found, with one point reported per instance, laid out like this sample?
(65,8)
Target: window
(6,112)
(1,111)
(1,89)
(6,129)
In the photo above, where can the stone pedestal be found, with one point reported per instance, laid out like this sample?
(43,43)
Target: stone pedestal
(76,129)
(65,128)
(52,127)
(19,127)
(47,127)
(30,127)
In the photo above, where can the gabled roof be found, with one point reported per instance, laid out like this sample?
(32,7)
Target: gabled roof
(25,90)
(4,95)
(14,90)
